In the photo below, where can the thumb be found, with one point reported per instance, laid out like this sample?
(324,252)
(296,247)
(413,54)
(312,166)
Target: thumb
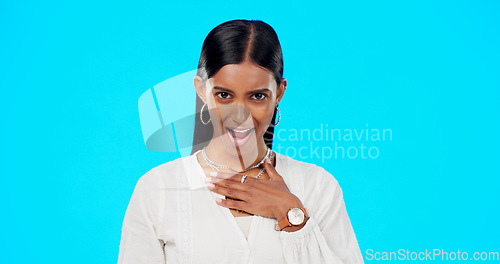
(271,171)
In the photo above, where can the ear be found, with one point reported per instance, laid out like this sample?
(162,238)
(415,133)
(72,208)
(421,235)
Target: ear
(200,88)
(281,90)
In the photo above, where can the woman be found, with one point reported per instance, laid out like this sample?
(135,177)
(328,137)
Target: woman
(234,200)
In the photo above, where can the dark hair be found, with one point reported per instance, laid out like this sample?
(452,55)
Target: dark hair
(234,42)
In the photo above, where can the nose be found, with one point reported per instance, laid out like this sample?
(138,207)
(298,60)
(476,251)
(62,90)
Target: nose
(240,114)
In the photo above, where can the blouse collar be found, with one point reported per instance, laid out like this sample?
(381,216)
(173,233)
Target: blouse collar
(196,176)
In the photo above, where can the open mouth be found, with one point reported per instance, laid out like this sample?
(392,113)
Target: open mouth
(239,136)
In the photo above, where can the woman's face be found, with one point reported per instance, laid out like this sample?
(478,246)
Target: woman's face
(241,99)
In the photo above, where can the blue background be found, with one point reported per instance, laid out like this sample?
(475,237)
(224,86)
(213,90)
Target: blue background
(71,148)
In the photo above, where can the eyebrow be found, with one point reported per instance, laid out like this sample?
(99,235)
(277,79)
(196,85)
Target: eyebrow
(253,91)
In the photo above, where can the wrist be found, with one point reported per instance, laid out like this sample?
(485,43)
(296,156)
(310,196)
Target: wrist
(281,212)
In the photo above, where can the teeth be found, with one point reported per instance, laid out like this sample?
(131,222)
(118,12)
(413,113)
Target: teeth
(241,131)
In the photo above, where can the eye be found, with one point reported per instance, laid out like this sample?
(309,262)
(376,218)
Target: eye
(259,96)
(223,95)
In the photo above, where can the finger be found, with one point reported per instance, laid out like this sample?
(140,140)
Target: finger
(236,181)
(220,176)
(224,183)
(233,204)
(230,190)
(271,171)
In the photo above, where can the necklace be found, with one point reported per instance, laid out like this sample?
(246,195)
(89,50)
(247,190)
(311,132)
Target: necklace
(205,157)
(214,168)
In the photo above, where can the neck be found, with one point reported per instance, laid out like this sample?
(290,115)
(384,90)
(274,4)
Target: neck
(236,158)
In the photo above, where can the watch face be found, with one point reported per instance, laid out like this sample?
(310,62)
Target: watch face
(296,216)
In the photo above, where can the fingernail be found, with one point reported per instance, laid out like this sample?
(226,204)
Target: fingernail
(268,160)
(213,173)
(210,185)
(208,179)
(218,200)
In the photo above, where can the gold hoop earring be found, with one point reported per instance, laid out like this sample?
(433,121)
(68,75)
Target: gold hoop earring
(201,115)
(279,117)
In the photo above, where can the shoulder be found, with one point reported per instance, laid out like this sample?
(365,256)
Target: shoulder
(313,176)
(318,189)
(165,173)
(305,168)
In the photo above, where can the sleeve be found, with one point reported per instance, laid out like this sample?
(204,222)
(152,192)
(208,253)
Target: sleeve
(139,240)
(328,236)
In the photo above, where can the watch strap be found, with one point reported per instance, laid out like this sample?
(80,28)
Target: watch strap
(284,223)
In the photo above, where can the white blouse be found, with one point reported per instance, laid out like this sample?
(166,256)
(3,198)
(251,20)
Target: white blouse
(172,217)
(245,222)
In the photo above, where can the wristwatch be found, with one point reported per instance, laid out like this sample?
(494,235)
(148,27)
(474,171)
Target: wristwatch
(295,216)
